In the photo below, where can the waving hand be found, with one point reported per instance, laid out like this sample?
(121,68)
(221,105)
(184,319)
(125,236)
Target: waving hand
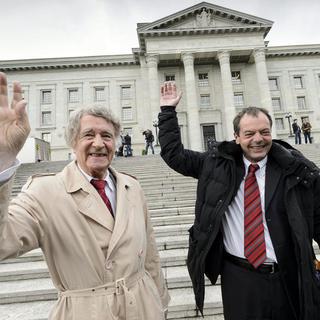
(14,123)
(169,95)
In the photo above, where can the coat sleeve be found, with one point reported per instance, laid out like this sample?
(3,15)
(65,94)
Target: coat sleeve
(20,229)
(152,263)
(316,219)
(186,162)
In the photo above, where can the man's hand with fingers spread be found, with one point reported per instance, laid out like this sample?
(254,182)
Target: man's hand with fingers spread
(169,95)
(14,123)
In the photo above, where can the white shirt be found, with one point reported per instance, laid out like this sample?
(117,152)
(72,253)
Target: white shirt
(110,188)
(8,173)
(233,220)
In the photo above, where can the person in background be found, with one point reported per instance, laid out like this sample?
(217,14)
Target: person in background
(257,213)
(90,220)
(149,140)
(306,129)
(297,132)
(127,145)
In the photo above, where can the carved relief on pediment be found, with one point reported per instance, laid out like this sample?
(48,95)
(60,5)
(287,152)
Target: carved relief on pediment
(204,19)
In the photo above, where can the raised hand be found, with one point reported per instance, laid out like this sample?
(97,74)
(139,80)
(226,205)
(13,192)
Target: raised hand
(14,123)
(169,95)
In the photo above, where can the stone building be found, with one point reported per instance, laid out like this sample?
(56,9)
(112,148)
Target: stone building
(219,59)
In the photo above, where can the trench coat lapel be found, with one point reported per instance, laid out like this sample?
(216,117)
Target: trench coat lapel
(273,174)
(86,197)
(124,206)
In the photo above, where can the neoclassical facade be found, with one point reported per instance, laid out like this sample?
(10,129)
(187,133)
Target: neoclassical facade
(219,59)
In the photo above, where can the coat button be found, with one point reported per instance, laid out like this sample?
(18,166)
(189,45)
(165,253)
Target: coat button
(108,265)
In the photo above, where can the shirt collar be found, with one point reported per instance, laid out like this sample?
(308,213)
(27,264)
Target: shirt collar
(108,178)
(261,163)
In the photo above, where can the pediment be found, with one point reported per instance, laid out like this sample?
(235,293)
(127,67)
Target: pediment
(203,15)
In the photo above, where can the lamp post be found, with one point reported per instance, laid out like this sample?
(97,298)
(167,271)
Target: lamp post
(155,124)
(289,116)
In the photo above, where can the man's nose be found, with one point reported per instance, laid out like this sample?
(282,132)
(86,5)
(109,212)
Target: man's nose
(257,136)
(98,142)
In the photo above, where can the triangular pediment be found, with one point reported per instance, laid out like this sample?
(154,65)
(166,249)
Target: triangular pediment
(204,15)
(203,18)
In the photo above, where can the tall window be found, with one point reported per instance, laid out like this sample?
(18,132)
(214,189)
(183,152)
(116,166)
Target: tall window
(73,95)
(205,100)
(279,123)
(209,136)
(46,96)
(301,103)
(273,84)
(126,113)
(99,94)
(125,92)
(276,104)
(46,118)
(238,100)
(236,76)
(170,77)
(46,136)
(203,79)
(298,82)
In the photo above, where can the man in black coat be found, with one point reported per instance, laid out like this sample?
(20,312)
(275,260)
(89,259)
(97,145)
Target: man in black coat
(280,281)
(297,132)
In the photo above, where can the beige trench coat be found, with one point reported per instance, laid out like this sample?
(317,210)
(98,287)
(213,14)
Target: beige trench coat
(103,268)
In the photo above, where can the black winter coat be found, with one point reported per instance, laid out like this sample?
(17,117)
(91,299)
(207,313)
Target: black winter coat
(219,173)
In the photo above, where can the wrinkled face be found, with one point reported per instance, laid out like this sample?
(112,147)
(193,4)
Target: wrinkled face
(95,146)
(254,136)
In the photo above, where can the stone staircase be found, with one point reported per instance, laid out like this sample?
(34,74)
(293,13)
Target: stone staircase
(26,290)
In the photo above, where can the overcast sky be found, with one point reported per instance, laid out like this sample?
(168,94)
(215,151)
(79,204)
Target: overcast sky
(70,28)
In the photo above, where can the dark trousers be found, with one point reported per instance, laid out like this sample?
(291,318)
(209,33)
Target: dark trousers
(297,137)
(307,136)
(149,144)
(248,295)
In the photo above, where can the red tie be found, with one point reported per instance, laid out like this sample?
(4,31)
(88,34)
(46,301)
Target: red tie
(254,243)
(100,186)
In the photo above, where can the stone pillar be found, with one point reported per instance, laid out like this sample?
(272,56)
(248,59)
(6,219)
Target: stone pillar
(229,112)
(263,83)
(154,87)
(194,131)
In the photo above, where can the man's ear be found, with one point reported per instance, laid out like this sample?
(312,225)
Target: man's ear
(236,137)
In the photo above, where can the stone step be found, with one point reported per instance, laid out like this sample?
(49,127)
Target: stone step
(161,212)
(172,204)
(181,307)
(172,242)
(173,220)
(25,290)
(12,275)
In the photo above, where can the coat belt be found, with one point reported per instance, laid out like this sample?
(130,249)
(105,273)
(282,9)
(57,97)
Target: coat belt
(120,286)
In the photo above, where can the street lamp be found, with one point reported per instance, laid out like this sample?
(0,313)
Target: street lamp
(155,124)
(289,116)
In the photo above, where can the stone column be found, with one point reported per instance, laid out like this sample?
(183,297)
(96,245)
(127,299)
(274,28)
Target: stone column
(194,131)
(263,83)
(262,77)
(229,112)
(154,87)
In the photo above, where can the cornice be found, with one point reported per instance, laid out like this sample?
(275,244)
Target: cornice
(202,31)
(69,63)
(167,26)
(293,51)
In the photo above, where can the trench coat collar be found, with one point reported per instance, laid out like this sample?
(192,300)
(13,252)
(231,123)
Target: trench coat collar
(90,203)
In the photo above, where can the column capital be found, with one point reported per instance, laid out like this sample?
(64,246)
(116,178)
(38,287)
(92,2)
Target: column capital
(152,60)
(187,58)
(259,54)
(223,56)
